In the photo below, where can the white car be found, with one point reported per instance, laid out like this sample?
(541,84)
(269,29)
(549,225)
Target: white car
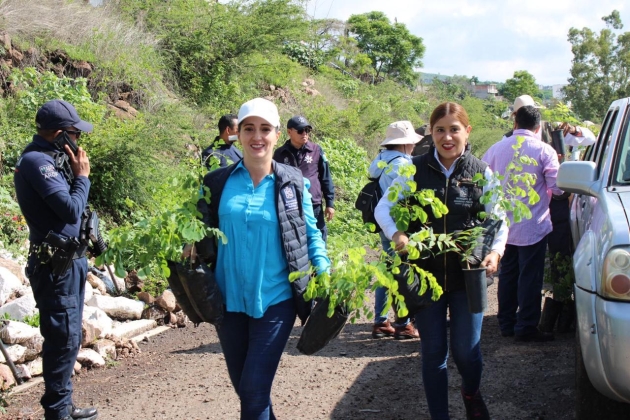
(600,214)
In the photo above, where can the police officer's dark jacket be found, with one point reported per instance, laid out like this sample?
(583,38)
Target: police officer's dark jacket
(38,183)
(311,160)
(461,196)
(291,219)
(226,152)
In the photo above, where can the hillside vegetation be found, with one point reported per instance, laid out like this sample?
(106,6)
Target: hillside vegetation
(154,76)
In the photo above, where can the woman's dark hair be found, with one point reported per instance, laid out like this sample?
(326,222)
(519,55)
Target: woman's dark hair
(449,108)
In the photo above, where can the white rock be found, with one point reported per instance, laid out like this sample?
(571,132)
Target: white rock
(106,348)
(118,307)
(9,284)
(35,343)
(89,292)
(15,332)
(36,367)
(96,283)
(90,358)
(16,353)
(23,372)
(20,307)
(133,328)
(96,324)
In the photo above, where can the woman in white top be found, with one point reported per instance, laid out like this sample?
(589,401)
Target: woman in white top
(395,152)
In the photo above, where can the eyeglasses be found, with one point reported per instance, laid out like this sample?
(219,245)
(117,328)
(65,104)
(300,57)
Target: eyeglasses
(75,132)
(302,130)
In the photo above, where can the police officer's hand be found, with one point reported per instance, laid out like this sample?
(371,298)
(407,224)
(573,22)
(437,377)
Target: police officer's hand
(80,163)
(329,213)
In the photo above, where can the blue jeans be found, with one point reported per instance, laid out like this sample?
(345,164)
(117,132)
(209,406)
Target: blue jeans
(520,284)
(381,293)
(252,348)
(465,329)
(60,303)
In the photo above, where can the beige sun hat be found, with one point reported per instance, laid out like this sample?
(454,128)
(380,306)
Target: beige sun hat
(401,132)
(523,100)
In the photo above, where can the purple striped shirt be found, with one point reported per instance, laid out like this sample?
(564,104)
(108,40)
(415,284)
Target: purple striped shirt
(499,155)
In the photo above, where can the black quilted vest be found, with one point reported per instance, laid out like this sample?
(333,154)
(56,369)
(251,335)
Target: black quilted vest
(461,196)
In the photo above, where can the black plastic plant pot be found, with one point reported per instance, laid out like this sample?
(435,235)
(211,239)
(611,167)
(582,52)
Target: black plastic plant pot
(319,329)
(549,315)
(476,289)
(203,291)
(180,295)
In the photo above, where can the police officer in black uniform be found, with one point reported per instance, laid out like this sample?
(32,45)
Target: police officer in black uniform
(299,151)
(52,186)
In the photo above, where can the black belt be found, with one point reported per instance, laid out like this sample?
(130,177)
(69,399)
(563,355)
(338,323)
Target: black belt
(79,253)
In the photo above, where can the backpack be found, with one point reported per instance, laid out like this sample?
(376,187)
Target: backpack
(368,198)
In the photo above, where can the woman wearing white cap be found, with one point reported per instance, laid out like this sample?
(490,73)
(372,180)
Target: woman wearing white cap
(396,152)
(264,209)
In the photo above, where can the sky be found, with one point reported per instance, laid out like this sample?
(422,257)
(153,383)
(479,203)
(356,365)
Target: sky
(489,39)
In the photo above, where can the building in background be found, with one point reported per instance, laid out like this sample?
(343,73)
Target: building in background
(484,91)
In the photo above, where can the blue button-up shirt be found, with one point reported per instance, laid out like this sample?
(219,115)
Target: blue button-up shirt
(252,271)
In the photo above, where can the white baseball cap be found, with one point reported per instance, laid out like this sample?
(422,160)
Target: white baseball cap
(401,132)
(523,100)
(259,107)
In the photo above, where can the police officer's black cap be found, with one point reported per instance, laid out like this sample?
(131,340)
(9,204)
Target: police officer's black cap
(57,114)
(298,122)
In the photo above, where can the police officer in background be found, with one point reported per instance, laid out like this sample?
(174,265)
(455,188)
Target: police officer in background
(223,147)
(302,153)
(52,186)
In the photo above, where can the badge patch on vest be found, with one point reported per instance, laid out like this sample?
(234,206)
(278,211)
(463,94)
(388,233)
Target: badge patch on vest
(48,171)
(308,159)
(289,198)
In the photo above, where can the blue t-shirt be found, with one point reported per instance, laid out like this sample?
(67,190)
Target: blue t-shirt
(252,271)
(36,178)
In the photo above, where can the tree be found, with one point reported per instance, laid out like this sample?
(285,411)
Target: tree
(394,51)
(601,68)
(204,42)
(523,83)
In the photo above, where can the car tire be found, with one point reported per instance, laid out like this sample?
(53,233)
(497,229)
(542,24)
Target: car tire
(590,403)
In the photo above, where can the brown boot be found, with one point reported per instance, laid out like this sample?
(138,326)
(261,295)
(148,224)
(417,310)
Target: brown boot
(406,332)
(382,329)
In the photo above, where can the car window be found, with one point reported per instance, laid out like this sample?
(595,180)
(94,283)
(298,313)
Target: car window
(603,144)
(591,151)
(622,164)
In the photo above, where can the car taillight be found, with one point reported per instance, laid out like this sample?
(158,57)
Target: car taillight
(616,274)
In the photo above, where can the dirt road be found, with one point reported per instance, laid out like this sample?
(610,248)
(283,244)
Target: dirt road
(181,374)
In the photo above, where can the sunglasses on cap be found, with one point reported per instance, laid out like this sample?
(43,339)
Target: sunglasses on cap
(302,130)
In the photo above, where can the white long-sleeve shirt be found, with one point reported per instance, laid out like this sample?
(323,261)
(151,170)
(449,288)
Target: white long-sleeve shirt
(585,138)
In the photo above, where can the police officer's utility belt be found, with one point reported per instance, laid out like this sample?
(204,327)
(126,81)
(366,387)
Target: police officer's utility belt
(58,251)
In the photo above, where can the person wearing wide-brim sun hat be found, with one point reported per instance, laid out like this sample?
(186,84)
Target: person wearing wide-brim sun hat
(396,149)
